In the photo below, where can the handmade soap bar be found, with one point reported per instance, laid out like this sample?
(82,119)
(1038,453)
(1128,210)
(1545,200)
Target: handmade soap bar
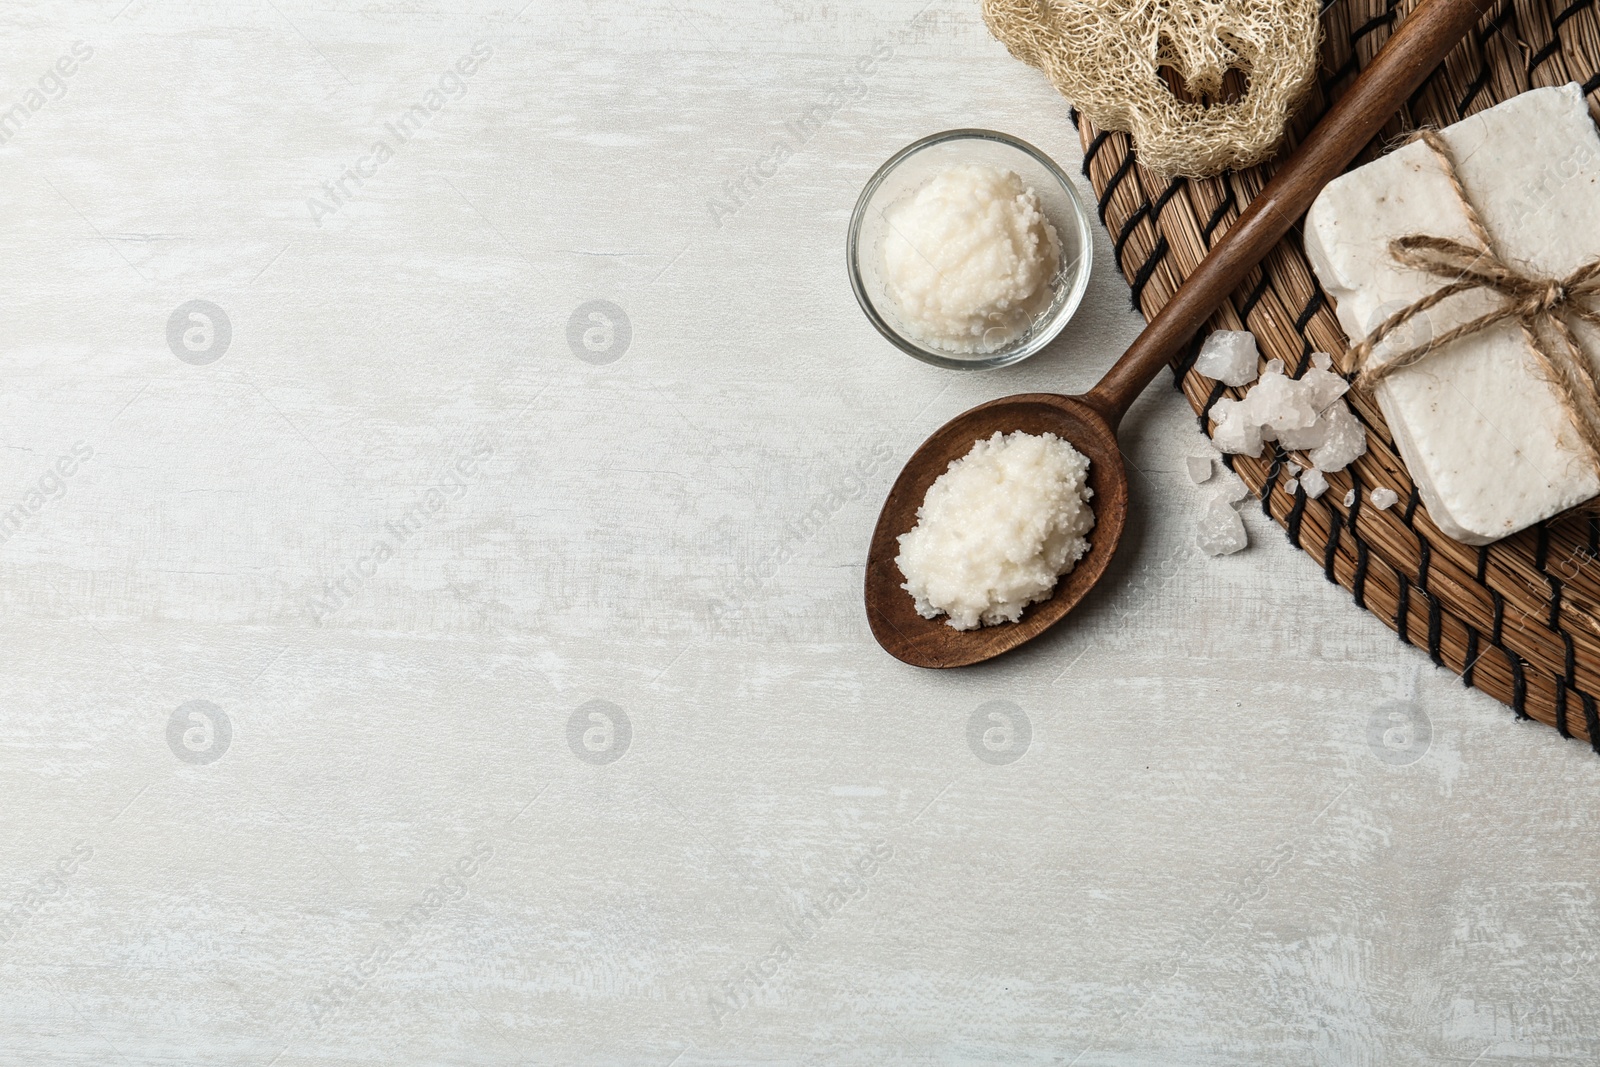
(1485,437)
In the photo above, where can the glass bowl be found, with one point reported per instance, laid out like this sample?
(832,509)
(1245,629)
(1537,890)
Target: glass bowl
(911,168)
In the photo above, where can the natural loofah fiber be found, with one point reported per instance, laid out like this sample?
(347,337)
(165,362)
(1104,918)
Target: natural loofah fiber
(1105,57)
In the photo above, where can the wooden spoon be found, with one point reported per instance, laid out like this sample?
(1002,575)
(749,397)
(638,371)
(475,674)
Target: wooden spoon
(1090,421)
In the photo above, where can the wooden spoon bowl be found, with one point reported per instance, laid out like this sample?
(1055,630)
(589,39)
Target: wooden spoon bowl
(932,642)
(1090,421)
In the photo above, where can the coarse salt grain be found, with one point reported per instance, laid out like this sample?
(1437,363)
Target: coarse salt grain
(1232,487)
(1307,414)
(997,529)
(1384,499)
(1199,468)
(1346,440)
(1220,531)
(1229,356)
(1314,482)
(1234,430)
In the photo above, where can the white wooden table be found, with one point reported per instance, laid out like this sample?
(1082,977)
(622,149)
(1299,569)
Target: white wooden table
(409,668)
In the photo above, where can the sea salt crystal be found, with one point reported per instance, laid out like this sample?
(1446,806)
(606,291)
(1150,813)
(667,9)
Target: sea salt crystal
(1236,430)
(1314,483)
(1229,356)
(1221,531)
(1480,428)
(1350,498)
(1199,468)
(1292,486)
(1346,440)
(1325,385)
(1302,438)
(1281,405)
(1304,414)
(1232,487)
(1384,499)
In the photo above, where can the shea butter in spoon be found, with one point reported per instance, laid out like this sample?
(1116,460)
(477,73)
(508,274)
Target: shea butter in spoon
(968,259)
(997,529)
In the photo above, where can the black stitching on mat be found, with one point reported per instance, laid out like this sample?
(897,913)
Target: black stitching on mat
(1371,24)
(1127,232)
(1561,709)
(1553,619)
(1305,357)
(1572,660)
(1272,481)
(1157,254)
(1216,216)
(1205,412)
(1474,89)
(1072,113)
(1330,552)
(1092,151)
(1435,630)
(1472,656)
(1313,306)
(1519,687)
(1594,535)
(1358,585)
(1555,34)
(1253,299)
(1591,722)
(1483,563)
(1402,610)
(1296,514)
(1185,361)
(1591,85)
(1568,12)
(1411,508)
(1496,637)
(1497,24)
(1544,53)
(1123,169)
(1426,562)
(1161,201)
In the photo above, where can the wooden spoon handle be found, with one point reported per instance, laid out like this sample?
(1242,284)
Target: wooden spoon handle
(1417,47)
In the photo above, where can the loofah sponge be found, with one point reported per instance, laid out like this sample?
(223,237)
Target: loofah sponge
(1105,55)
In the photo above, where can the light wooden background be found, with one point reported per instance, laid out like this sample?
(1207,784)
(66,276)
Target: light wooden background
(1248,826)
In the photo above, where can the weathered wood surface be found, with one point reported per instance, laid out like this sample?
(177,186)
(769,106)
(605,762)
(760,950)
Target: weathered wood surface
(1207,826)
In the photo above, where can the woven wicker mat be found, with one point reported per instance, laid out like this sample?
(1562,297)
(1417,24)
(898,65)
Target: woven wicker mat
(1519,619)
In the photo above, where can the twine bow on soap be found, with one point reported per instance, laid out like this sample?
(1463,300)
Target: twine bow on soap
(1536,304)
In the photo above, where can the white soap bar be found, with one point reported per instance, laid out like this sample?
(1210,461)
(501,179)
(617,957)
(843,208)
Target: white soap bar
(1485,438)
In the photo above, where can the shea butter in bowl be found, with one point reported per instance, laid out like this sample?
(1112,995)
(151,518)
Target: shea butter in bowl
(969,249)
